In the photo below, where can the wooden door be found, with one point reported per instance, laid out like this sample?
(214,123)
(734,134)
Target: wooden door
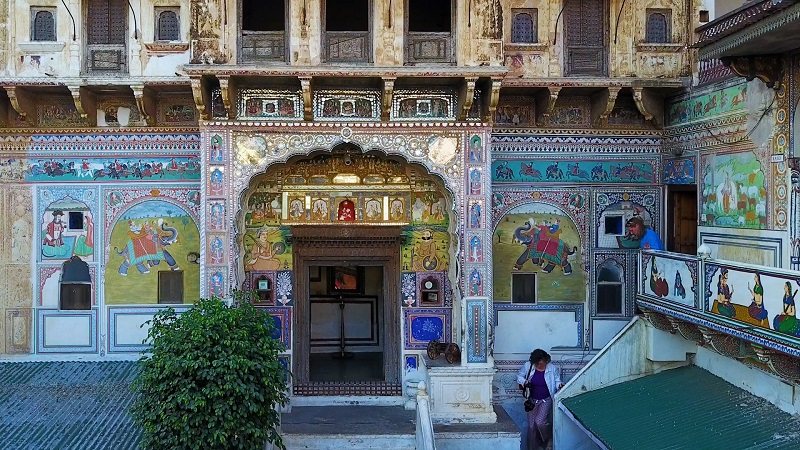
(682,226)
(106,30)
(585,38)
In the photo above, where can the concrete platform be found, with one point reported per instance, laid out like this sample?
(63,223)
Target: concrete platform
(387,428)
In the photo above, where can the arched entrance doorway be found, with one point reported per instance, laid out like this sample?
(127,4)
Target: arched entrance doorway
(353,232)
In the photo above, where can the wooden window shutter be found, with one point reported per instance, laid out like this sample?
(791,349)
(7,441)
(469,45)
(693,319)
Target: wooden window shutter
(44,26)
(523,28)
(168,26)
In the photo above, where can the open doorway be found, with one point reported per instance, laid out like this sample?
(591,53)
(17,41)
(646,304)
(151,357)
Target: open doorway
(346,327)
(682,219)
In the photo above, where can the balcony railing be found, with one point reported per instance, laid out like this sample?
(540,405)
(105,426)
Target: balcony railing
(739,19)
(713,70)
(433,48)
(263,46)
(106,59)
(348,46)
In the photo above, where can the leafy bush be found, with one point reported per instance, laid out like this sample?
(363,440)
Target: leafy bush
(211,379)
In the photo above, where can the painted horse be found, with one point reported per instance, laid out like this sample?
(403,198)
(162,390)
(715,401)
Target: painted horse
(541,248)
(147,248)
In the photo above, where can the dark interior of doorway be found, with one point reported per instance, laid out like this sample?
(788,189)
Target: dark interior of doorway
(682,219)
(346,336)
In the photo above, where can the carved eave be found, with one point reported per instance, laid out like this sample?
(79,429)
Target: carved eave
(767,68)
(22,102)
(388,93)
(202,98)
(602,104)
(469,96)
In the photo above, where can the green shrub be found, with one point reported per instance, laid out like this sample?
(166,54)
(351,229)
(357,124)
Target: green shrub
(211,379)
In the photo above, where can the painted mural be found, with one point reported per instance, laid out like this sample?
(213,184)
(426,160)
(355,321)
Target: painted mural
(539,238)
(705,106)
(734,192)
(150,237)
(59,170)
(670,279)
(68,228)
(757,298)
(614,209)
(583,171)
(266,249)
(679,171)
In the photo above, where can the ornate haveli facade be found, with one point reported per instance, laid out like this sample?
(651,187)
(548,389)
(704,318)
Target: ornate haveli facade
(383,174)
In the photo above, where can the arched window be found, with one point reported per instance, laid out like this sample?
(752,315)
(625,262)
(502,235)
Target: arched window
(44,26)
(658,27)
(76,285)
(167,25)
(524,27)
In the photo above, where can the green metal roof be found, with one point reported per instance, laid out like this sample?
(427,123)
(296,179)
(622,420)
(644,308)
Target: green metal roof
(682,408)
(67,405)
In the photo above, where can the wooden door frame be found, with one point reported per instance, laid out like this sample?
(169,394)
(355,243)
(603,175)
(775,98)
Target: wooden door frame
(350,245)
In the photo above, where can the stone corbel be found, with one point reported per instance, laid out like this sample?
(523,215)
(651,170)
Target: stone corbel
(388,93)
(650,105)
(781,364)
(85,102)
(308,107)
(469,97)
(145,103)
(767,68)
(494,99)
(550,104)
(602,104)
(201,97)
(228,89)
(659,321)
(22,102)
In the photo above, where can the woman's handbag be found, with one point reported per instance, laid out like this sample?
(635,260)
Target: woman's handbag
(529,405)
(526,392)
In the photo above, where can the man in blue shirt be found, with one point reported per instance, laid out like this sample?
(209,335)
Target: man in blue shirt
(648,239)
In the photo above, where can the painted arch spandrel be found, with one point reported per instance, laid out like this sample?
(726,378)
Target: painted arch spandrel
(541,239)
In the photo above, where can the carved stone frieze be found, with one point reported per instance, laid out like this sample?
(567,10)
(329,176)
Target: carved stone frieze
(783,365)
(767,68)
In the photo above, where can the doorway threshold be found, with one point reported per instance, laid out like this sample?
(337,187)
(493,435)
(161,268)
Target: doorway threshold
(333,400)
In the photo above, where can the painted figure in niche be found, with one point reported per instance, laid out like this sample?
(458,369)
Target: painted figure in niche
(437,211)
(542,248)
(217,213)
(216,149)
(576,201)
(217,252)
(20,237)
(475,216)
(787,322)
(658,284)
(263,252)
(679,290)
(475,149)
(216,182)
(475,182)
(84,245)
(216,284)
(147,246)
(475,250)
(114,199)
(475,283)
(756,309)
(347,211)
(727,194)
(425,255)
(296,209)
(396,210)
(374,210)
(319,210)
(724,294)
(53,245)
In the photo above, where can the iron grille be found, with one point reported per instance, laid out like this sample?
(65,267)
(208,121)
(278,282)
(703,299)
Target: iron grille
(44,26)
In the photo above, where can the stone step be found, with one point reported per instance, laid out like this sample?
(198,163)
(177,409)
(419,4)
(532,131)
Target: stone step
(349,442)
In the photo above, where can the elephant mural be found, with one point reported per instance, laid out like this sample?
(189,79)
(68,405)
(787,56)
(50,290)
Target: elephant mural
(543,246)
(147,247)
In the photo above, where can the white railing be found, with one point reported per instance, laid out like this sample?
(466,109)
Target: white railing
(425,439)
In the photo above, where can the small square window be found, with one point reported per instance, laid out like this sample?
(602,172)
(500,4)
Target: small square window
(523,288)
(75,296)
(170,286)
(613,225)
(75,220)
(43,24)
(168,24)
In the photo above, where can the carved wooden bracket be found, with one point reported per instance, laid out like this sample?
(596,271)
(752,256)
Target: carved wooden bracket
(201,97)
(783,365)
(22,103)
(228,90)
(603,103)
(767,68)
(469,96)
(722,343)
(659,321)
(494,99)
(550,105)
(146,104)
(308,107)
(650,105)
(388,92)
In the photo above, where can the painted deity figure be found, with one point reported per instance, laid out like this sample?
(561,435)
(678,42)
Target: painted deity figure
(475,283)
(475,182)
(475,216)
(217,212)
(319,211)
(724,294)
(216,284)
(475,150)
(475,250)
(53,245)
(217,252)
(347,211)
(216,181)
(426,255)
(396,209)
(262,253)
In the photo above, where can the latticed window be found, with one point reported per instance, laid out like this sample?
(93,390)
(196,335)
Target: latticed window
(107,20)
(44,25)
(658,26)
(167,25)
(524,26)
